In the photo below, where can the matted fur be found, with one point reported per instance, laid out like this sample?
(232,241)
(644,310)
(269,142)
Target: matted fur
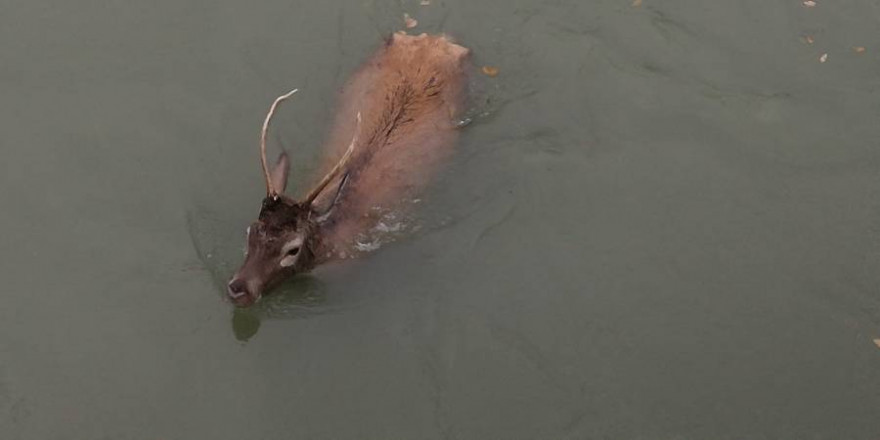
(410,93)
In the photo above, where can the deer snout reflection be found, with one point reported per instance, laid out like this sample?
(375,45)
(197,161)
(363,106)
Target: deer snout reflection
(301,297)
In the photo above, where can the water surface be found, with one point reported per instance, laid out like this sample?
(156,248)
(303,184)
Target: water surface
(662,223)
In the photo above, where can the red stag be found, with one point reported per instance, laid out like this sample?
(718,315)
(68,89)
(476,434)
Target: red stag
(397,120)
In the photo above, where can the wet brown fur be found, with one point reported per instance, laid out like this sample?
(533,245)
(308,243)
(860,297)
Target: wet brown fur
(410,94)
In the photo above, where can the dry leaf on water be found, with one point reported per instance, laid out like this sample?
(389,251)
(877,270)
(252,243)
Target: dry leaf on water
(859,49)
(809,39)
(490,71)
(810,3)
(409,21)
(823,58)
(877,342)
(636,3)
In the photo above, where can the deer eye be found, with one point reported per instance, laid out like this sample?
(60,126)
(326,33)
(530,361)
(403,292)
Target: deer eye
(289,257)
(290,251)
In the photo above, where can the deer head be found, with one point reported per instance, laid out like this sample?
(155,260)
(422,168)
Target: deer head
(283,240)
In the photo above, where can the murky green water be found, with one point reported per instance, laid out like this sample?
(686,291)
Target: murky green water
(663,223)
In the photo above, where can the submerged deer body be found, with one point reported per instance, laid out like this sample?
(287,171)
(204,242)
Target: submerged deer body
(395,124)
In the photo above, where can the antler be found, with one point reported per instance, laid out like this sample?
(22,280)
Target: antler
(270,190)
(336,169)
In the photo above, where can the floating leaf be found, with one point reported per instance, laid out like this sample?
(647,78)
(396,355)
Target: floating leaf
(810,4)
(809,39)
(409,21)
(877,342)
(858,49)
(823,58)
(490,71)
(636,3)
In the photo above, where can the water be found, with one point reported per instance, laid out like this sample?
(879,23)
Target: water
(661,223)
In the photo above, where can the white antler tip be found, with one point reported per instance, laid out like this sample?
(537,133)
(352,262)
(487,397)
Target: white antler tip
(288,94)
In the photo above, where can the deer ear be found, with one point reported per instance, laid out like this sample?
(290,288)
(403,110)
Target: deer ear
(323,214)
(280,172)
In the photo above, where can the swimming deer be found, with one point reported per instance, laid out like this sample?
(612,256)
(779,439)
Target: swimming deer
(396,122)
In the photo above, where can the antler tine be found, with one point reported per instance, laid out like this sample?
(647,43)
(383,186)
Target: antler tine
(336,168)
(270,190)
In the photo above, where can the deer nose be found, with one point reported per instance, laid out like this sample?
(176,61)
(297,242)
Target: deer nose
(236,288)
